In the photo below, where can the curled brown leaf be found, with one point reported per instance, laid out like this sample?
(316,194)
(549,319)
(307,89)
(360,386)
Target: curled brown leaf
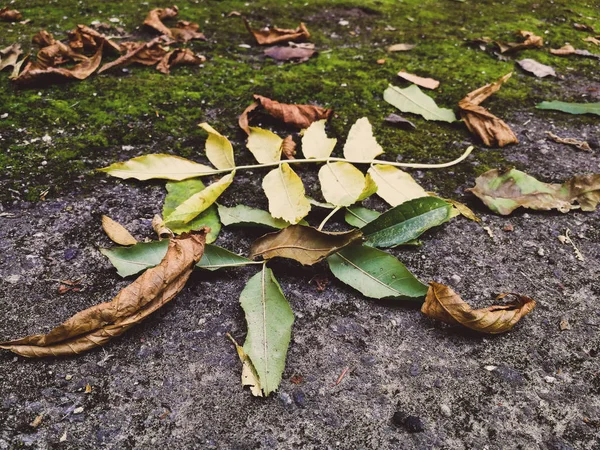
(156,16)
(531,41)
(187,31)
(178,57)
(146,53)
(269,36)
(442,303)
(10,15)
(86,38)
(288,147)
(9,56)
(298,54)
(97,325)
(43,39)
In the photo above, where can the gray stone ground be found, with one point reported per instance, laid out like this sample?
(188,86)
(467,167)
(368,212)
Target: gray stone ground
(174,380)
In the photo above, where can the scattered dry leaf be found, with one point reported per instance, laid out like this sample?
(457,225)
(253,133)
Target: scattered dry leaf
(531,41)
(581,145)
(10,15)
(442,303)
(159,227)
(37,421)
(566,239)
(156,16)
(85,38)
(428,83)
(95,326)
(538,69)
(568,49)
(288,147)
(187,31)
(88,388)
(117,232)
(10,55)
(491,129)
(249,375)
(395,119)
(583,27)
(400,47)
(179,57)
(299,53)
(270,36)
(146,53)
(593,40)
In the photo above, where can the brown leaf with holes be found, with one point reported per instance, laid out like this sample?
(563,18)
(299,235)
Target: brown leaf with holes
(270,36)
(306,245)
(428,83)
(10,15)
(156,16)
(442,303)
(97,325)
(179,57)
(531,41)
(86,38)
(300,116)
(479,121)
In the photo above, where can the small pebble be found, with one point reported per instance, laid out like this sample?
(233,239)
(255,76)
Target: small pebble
(564,325)
(4,116)
(78,410)
(285,398)
(343,23)
(455,278)
(508,227)
(69,377)
(541,252)
(549,379)
(445,410)
(490,368)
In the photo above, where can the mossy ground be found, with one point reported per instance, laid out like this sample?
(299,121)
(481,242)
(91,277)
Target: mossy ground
(90,121)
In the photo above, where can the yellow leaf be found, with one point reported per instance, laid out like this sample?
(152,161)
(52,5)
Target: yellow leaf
(370,187)
(167,167)
(117,232)
(342,183)
(315,143)
(394,185)
(219,150)
(197,203)
(285,191)
(249,375)
(264,145)
(361,144)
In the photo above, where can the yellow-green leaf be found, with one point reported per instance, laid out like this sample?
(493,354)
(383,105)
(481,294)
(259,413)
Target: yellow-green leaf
(361,144)
(315,143)
(394,185)
(264,145)
(342,183)
(166,167)
(219,150)
(370,187)
(197,203)
(285,191)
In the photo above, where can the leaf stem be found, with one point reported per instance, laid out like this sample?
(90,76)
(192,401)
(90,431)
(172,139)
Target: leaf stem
(329,216)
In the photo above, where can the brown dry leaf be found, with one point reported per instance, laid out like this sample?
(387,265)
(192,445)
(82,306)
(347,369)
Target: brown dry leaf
(568,49)
(156,16)
(10,15)
(97,325)
(146,53)
(538,69)
(581,145)
(400,47)
(10,55)
(300,116)
(593,40)
(442,303)
(531,41)
(583,27)
(43,39)
(291,52)
(159,227)
(428,83)
(179,57)
(270,36)
(288,147)
(187,31)
(306,245)
(85,38)
(395,119)
(37,421)
(117,232)
(479,121)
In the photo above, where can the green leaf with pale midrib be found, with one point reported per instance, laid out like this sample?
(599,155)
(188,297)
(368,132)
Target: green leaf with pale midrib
(413,100)
(358,216)
(242,215)
(571,108)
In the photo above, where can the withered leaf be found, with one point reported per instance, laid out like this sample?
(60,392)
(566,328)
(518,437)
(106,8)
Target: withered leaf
(85,38)
(95,326)
(300,116)
(299,54)
(593,40)
(306,245)
(270,36)
(479,121)
(583,27)
(10,15)
(503,192)
(187,31)
(156,16)
(117,232)
(400,47)
(178,57)
(428,83)
(146,53)
(442,303)
(10,55)
(568,49)
(395,119)
(161,230)
(531,41)
(581,145)
(538,69)
(288,147)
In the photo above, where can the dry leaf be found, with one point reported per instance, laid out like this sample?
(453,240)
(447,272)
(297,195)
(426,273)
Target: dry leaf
(177,57)
(187,31)
(568,49)
(275,35)
(10,55)
(117,232)
(249,375)
(146,53)
(161,230)
(86,38)
(37,421)
(156,16)
(442,303)
(95,326)
(583,27)
(288,147)
(43,39)
(300,116)
(395,119)
(400,47)
(593,40)
(306,245)
(10,15)
(531,41)
(428,83)
(479,121)
(538,69)
(299,54)
(581,145)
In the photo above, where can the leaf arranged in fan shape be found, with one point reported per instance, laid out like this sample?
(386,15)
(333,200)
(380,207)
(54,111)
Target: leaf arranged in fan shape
(361,144)
(343,184)
(219,150)
(306,245)
(179,192)
(413,100)
(375,273)
(571,108)
(246,216)
(157,166)
(359,216)
(285,192)
(394,185)
(315,143)
(269,319)
(442,303)
(199,202)
(117,232)
(406,222)
(95,326)
(264,145)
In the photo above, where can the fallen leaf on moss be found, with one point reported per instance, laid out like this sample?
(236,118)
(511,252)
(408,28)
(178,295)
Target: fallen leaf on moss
(146,53)
(187,31)
(179,57)
(117,232)
(97,325)
(10,15)
(300,116)
(400,47)
(43,39)
(583,27)
(581,145)
(503,192)
(156,16)
(479,121)
(531,41)
(85,38)
(10,55)
(593,40)
(291,52)
(413,100)
(395,119)
(442,303)
(269,36)
(538,69)
(568,49)
(428,83)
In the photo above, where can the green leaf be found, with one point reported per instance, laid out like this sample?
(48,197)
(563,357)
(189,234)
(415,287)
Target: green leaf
(406,222)
(315,143)
(131,260)
(361,145)
(358,216)
(219,150)
(269,319)
(180,191)
(413,100)
(215,258)
(375,273)
(198,202)
(167,167)
(571,108)
(243,215)
(285,192)
(264,145)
